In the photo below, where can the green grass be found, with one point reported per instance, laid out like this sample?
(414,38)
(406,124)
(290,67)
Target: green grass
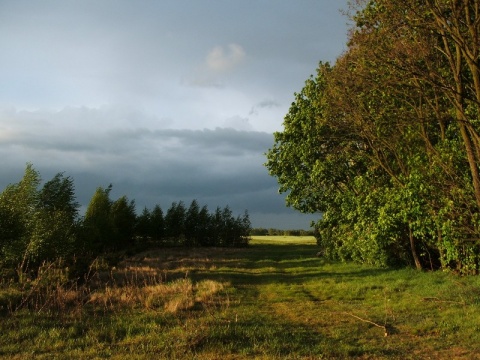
(272,300)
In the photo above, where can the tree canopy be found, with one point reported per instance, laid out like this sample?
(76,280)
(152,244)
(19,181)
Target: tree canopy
(385,142)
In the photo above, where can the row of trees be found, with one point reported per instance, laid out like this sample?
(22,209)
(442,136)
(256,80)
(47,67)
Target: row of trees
(42,223)
(386,142)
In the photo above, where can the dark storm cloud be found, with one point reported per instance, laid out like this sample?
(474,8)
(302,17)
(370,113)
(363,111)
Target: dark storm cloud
(217,167)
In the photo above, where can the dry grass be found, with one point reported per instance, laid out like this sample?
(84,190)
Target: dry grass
(156,282)
(174,296)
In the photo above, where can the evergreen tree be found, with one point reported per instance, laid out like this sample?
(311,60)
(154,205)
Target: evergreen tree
(204,231)
(175,223)
(123,218)
(157,224)
(216,227)
(98,226)
(227,226)
(143,226)
(192,224)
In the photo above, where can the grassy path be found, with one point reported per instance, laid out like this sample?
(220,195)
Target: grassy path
(273,300)
(292,304)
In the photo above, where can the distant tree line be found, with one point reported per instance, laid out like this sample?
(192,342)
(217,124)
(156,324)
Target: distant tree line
(42,223)
(280,232)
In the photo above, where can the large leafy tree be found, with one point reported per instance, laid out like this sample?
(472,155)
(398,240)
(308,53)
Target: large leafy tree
(430,49)
(294,158)
(385,143)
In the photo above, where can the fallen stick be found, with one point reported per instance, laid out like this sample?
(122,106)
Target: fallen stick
(384,327)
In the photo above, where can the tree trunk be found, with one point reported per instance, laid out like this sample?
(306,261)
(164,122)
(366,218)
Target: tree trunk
(418,264)
(471,161)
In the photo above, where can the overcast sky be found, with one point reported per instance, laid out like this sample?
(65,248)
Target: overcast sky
(167,100)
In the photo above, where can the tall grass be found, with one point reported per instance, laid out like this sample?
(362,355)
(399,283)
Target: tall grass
(273,300)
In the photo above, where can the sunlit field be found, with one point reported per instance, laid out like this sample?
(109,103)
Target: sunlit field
(282,240)
(272,300)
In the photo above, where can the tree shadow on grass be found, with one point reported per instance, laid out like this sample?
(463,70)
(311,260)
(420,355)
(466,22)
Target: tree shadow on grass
(242,277)
(257,264)
(281,264)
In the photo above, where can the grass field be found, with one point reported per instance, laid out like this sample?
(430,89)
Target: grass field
(272,300)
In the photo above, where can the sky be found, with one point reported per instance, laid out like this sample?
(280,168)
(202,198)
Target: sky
(168,100)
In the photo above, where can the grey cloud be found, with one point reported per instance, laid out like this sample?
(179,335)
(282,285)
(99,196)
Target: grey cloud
(226,141)
(221,59)
(266,104)
(202,80)
(239,123)
(219,63)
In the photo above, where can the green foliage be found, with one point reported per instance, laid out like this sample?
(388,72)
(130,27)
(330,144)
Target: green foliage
(192,223)
(124,220)
(385,143)
(295,157)
(55,234)
(143,226)
(204,227)
(97,224)
(58,195)
(19,203)
(197,227)
(37,225)
(157,226)
(175,222)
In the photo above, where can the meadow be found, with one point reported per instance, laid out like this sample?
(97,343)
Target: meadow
(272,300)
